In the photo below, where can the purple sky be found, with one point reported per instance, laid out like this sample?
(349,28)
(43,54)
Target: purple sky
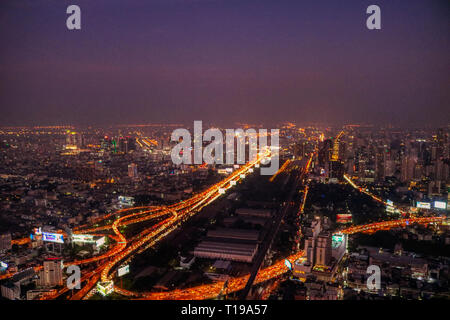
(224,61)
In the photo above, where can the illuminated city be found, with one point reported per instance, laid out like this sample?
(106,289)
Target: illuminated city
(110,191)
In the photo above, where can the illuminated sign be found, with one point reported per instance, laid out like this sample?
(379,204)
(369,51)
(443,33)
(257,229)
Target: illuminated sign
(37,231)
(257,165)
(3,265)
(250,170)
(390,206)
(232,183)
(242,176)
(123,270)
(337,240)
(105,288)
(288,264)
(84,238)
(221,191)
(222,171)
(423,205)
(52,237)
(126,201)
(440,205)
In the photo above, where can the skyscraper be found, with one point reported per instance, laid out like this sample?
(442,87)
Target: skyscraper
(132,170)
(51,274)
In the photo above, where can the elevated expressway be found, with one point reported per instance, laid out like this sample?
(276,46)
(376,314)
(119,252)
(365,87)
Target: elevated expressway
(176,214)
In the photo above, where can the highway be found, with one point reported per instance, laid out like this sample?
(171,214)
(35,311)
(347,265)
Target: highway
(170,218)
(184,210)
(297,178)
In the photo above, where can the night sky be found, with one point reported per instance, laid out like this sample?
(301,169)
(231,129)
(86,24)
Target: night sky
(223,61)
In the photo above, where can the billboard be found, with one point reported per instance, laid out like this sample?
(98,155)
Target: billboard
(123,270)
(440,205)
(126,201)
(84,238)
(423,205)
(52,237)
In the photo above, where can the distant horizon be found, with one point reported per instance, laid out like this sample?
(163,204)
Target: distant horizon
(229,125)
(225,61)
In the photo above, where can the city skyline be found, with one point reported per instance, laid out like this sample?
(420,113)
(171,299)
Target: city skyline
(113,205)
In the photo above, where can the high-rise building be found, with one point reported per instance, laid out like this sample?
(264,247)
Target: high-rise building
(105,143)
(442,144)
(323,249)
(74,139)
(312,233)
(10,291)
(325,152)
(51,275)
(389,168)
(335,152)
(123,144)
(131,143)
(380,159)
